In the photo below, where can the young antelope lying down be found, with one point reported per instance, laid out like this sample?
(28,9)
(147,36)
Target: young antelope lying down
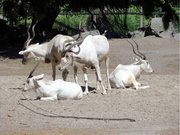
(53,90)
(125,76)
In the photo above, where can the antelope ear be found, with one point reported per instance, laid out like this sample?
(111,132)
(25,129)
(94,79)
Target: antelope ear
(39,77)
(136,59)
(23,52)
(140,59)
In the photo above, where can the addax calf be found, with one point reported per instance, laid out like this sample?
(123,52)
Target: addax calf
(52,90)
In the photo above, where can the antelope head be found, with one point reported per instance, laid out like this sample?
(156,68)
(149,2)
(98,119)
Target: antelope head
(142,60)
(69,46)
(144,64)
(29,84)
(67,55)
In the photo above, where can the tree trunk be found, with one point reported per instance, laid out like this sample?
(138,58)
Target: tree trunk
(44,26)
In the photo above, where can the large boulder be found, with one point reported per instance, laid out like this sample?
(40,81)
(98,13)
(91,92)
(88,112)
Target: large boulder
(157,26)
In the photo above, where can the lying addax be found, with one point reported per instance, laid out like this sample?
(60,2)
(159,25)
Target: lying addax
(52,90)
(90,52)
(125,76)
(49,51)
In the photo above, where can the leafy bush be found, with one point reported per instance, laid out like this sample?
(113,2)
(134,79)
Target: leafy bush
(69,21)
(116,21)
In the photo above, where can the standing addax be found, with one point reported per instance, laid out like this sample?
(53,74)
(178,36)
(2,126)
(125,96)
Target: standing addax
(89,53)
(50,52)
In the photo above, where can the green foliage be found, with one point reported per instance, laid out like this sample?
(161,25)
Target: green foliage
(18,10)
(117,22)
(70,21)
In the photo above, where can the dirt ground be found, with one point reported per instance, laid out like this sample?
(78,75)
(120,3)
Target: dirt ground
(153,111)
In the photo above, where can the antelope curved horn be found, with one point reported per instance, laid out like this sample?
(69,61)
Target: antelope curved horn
(33,34)
(69,45)
(105,32)
(137,46)
(77,52)
(26,42)
(30,39)
(32,71)
(33,29)
(80,23)
(78,36)
(134,49)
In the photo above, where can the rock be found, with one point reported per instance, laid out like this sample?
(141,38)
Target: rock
(157,26)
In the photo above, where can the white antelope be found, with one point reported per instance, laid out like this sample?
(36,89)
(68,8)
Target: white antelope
(52,90)
(125,76)
(50,52)
(90,52)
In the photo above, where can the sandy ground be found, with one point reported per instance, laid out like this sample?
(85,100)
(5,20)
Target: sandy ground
(153,111)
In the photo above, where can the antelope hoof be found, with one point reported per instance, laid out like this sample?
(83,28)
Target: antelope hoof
(104,93)
(109,88)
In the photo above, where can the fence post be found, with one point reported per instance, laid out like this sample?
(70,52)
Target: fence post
(141,18)
(94,19)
